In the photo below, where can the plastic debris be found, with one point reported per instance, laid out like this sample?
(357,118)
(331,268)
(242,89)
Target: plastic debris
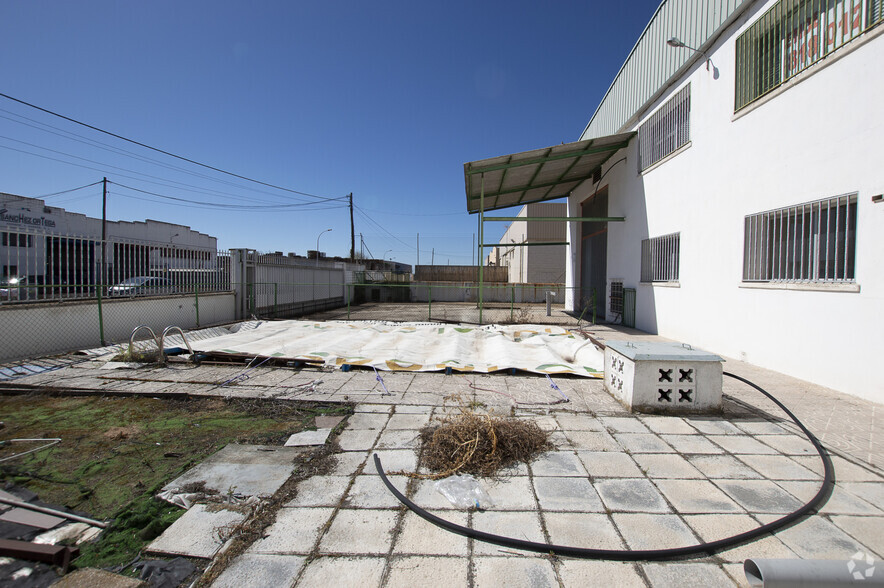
(464,491)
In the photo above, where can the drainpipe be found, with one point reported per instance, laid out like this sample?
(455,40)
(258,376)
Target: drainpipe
(789,573)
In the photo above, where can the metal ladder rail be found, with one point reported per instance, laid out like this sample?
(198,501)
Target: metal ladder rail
(183,338)
(152,334)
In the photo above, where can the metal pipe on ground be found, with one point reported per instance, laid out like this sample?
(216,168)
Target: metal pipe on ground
(52,511)
(794,573)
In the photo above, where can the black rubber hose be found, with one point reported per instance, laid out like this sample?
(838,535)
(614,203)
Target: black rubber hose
(647,554)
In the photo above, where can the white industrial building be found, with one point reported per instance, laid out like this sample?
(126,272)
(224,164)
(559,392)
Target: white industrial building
(50,245)
(732,177)
(534,264)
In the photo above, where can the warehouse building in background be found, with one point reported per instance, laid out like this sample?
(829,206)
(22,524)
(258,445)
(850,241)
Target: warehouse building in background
(533,265)
(58,253)
(751,190)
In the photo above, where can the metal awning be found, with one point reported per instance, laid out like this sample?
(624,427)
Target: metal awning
(538,175)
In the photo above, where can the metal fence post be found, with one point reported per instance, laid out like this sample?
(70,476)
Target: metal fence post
(430,298)
(512,301)
(196,303)
(100,319)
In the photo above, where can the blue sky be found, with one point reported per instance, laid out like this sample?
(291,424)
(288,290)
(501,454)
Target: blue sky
(386,100)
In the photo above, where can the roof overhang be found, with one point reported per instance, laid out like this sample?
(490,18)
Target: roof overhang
(538,175)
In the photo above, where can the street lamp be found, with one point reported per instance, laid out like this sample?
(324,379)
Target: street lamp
(317,244)
(678,43)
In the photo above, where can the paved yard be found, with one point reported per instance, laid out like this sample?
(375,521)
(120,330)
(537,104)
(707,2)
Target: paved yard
(615,480)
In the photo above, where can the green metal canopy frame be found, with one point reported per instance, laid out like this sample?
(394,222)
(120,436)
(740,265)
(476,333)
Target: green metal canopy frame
(534,176)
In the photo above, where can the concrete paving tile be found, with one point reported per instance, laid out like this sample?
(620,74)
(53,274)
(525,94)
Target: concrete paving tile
(512,571)
(328,421)
(360,531)
(545,422)
(692,444)
(567,494)
(713,527)
(408,572)
(419,399)
(346,463)
(737,574)
(866,530)
(421,537)
(343,572)
(253,470)
(358,440)
(816,538)
(742,444)
(414,409)
(760,427)
(392,460)
(511,494)
(195,533)
(260,570)
(412,422)
(373,408)
(366,420)
(623,425)
(653,531)
(713,426)
(23,516)
(294,531)
(723,467)
(585,572)
(592,441)
(846,471)
(696,496)
(668,425)
(759,496)
(578,422)
(398,439)
(788,444)
(840,502)
(308,438)
(370,492)
(631,495)
(643,443)
(666,465)
(594,531)
(559,440)
(778,467)
(516,524)
(558,463)
(869,491)
(320,491)
(687,575)
(606,464)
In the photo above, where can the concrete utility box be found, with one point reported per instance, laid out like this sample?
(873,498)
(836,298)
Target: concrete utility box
(650,376)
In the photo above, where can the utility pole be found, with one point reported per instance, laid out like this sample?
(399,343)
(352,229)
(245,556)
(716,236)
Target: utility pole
(352,231)
(418,249)
(433,257)
(102,272)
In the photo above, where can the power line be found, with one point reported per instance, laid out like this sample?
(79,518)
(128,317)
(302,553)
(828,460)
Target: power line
(194,162)
(71,136)
(67,191)
(276,207)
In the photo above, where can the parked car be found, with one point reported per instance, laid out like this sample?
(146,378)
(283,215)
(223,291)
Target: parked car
(142,286)
(22,288)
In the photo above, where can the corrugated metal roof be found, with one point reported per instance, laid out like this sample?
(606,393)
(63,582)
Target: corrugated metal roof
(538,175)
(652,64)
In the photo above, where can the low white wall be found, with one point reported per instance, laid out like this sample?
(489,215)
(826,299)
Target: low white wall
(35,330)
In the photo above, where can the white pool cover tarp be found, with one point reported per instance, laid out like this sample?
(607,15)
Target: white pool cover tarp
(416,346)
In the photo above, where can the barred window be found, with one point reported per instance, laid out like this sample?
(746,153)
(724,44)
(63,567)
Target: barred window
(660,258)
(668,129)
(792,36)
(616,297)
(812,242)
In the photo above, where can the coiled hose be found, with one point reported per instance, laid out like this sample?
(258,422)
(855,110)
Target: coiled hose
(646,554)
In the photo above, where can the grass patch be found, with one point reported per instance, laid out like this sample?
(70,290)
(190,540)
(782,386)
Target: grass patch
(116,452)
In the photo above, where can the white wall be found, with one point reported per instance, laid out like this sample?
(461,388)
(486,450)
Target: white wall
(820,136)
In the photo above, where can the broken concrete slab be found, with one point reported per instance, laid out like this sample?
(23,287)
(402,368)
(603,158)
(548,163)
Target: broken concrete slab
(308,438)
(327,422)
(31,518)
(198,533)
(251,569)
(250,470)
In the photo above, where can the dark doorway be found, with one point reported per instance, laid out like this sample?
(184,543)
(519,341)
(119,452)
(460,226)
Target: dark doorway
(593,254)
